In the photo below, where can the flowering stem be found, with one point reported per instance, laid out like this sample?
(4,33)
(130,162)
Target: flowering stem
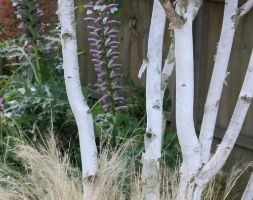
(103,47)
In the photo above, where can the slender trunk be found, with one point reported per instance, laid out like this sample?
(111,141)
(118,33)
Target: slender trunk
(76,99)
(218,78)
(154,105)
(245,8)
(248,192)
(185,93)
(184,108)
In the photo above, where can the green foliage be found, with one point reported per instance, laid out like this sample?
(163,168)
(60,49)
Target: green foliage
(37,63)
(34,105)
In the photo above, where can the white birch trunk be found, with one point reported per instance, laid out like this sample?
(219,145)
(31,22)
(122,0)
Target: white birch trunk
(218,78)
(154,105)
(184,105)
(76,99)
(248,192)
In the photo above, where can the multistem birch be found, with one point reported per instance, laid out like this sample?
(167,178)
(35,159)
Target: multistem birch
(154,104)
(76,99)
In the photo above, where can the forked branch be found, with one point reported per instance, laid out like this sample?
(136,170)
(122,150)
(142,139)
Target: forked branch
(174,18)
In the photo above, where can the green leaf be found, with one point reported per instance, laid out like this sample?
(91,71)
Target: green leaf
(81,9)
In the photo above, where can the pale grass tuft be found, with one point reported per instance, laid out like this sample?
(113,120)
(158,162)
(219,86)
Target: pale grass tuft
(48,175)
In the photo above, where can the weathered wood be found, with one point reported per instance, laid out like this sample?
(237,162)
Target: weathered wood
(135,17)
(200,35)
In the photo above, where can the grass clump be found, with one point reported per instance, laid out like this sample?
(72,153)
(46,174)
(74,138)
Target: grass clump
(47,174)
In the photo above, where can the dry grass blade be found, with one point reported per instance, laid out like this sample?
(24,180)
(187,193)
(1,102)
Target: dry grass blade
(49,176)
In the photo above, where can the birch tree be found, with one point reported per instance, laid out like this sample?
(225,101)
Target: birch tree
(76,99)
(198,168)
(154,104)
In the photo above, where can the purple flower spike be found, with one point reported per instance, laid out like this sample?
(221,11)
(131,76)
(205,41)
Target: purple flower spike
(103,40)
(30,15)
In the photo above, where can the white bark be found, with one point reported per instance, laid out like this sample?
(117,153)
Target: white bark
(184,105)
(221,155)
(246,7)
(154,104)
(76,99)
(248,192)
(218,78)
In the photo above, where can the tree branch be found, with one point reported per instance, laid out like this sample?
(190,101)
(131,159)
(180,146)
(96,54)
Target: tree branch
(218,79)
(154,104)
(174,18)
(245,8)
(248,192)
